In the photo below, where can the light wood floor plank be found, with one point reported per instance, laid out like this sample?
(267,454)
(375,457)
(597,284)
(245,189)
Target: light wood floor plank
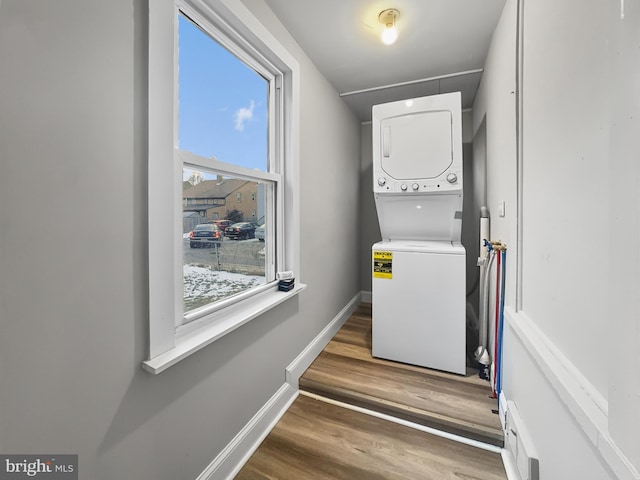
(316,440)
(346,371)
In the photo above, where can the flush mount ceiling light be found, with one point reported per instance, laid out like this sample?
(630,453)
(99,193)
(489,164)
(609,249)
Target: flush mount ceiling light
(388,18)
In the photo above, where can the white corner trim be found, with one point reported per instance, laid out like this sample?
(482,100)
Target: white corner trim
(298,366)
(588,407)
(230,460)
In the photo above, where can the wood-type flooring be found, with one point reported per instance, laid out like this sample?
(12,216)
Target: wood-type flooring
(347,372)
(317,439)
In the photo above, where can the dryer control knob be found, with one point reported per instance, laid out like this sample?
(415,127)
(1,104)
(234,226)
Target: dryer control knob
(415,186)
(403,187)
(382,181)
(452,178)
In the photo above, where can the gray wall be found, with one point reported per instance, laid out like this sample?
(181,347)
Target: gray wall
(369,227)
(73,247)
(571,346)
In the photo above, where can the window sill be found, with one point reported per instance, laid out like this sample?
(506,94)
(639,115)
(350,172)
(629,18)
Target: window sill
(194,339)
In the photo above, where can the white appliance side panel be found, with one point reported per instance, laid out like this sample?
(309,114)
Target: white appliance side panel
(419,313)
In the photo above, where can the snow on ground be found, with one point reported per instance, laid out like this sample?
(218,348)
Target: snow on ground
(203,285)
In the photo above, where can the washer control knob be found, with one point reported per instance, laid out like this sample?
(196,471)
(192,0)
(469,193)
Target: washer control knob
(403,187)
(452,178)
(415,186)
(382,181)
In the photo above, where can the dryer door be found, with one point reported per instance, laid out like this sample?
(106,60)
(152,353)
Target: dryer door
(417,145)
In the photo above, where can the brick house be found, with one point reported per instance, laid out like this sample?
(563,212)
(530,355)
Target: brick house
(212,199)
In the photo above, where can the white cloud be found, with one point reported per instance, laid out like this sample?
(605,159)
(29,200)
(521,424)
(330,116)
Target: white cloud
(243,115)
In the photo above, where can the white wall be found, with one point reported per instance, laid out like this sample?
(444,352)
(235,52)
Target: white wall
(495,104)
(571,353)
(73,247)
(566,120)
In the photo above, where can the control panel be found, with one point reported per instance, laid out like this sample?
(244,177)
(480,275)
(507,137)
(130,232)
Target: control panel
(449,182)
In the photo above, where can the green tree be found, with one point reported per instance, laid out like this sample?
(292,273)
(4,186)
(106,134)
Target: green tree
(235,215)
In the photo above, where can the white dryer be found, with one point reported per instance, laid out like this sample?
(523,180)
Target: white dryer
(418,285)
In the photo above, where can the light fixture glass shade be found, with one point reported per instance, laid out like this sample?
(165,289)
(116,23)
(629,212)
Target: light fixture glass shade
(388,18)
(389,35)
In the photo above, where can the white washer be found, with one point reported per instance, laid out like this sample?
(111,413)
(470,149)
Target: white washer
(418,291)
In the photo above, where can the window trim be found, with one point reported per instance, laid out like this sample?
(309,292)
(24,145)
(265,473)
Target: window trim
(167,344)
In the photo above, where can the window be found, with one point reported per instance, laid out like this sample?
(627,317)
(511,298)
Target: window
(224,130)
(222,123)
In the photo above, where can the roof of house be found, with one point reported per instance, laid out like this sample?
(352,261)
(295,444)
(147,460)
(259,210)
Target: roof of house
(214,188)
(200,207)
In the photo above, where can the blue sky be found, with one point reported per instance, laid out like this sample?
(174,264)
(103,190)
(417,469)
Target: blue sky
(222,103)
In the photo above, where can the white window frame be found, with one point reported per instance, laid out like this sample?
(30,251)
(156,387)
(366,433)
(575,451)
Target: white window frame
(169,344)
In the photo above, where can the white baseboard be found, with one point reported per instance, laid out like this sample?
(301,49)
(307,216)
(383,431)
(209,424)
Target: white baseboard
(509,465)
(580,397)
(230,460)
(366,297)
(309,354)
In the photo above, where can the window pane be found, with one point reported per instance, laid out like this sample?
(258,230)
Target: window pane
(222,103)
(222,115)
(222,256)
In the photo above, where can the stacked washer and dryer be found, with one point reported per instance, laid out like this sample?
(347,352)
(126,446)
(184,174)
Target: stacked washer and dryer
(418,285)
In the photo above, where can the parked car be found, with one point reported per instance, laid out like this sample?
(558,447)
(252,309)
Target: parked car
(259,233)
(205,235)
(240,230)
(223,224)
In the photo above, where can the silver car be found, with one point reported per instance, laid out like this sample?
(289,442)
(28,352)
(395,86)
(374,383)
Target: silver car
(259,233)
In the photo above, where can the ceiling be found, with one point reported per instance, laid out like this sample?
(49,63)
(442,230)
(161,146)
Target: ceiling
(441,46)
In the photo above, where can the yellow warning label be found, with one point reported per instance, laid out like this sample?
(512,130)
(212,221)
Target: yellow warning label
(382,264)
